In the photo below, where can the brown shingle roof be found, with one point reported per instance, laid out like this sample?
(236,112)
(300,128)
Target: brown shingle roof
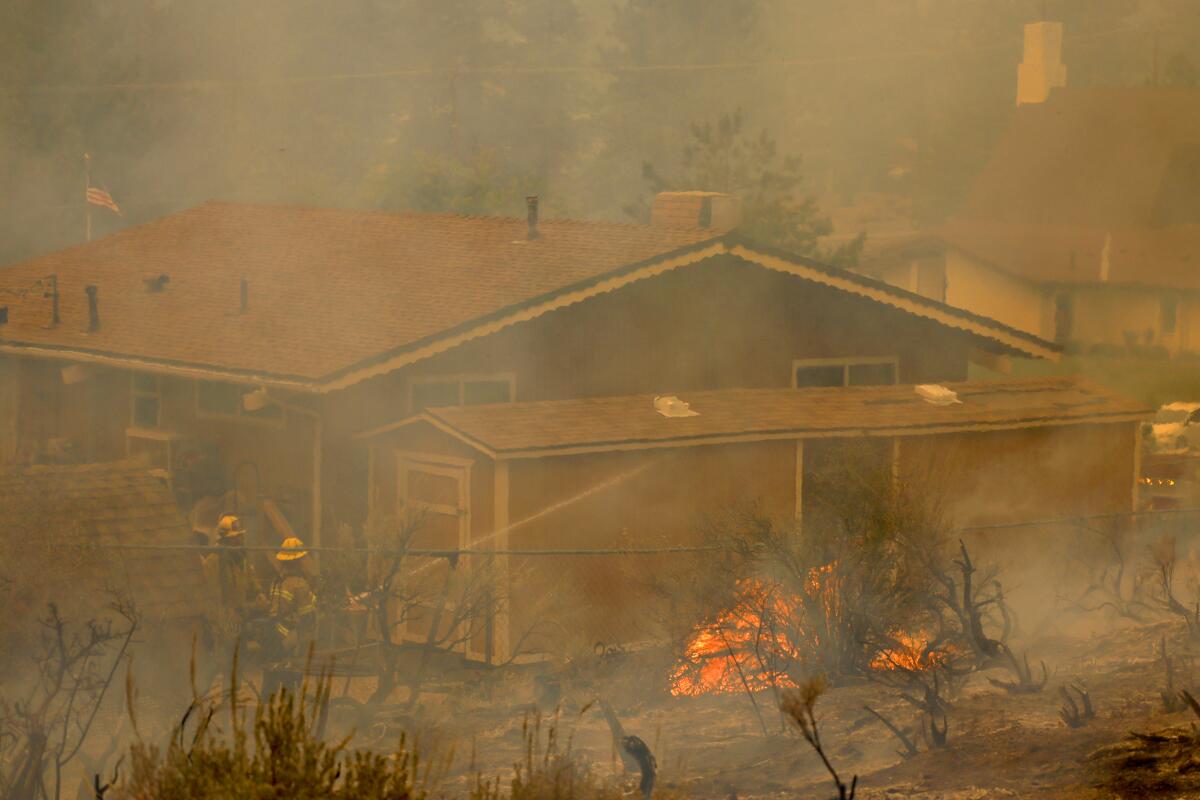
(327,288)
(335,296)
(619,423)
(1125,157)
(99,504)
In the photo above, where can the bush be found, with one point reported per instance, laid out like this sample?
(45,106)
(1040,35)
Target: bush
(548,772)
(283,756)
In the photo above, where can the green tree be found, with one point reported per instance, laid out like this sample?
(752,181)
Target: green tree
(725,157)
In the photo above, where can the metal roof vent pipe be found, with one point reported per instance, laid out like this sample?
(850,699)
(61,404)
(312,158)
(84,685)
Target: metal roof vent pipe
(93,296)
(531,205)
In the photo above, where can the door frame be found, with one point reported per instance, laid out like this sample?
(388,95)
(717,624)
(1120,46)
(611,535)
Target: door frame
(458,469)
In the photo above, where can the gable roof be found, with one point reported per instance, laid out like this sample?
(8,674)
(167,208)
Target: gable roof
(337,296)
(82,508)
(1120,157)
(564,427)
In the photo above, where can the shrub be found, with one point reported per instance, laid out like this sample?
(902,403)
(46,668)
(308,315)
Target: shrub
(283,756)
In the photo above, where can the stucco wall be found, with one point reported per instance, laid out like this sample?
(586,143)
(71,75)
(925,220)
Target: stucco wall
(983,290)
(1114,315)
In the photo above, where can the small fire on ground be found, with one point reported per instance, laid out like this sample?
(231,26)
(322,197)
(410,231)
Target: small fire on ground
(911,652)
(749,646)
(737,651)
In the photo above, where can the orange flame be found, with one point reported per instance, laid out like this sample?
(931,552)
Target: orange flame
(731,653)
(912,652)
(748,644)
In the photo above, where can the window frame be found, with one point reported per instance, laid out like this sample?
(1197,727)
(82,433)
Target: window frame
(845,364)
(240,414)
(136,393)
(461,379)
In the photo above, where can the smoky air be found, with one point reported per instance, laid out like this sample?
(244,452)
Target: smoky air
(589,399)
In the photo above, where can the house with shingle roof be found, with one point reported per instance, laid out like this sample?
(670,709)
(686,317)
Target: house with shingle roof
(1083,226)
(493,370)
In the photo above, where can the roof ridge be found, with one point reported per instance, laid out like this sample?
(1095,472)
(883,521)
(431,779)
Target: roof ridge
(412,213)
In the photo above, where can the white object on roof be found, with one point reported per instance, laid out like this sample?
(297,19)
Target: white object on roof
(671,406)
(937,395)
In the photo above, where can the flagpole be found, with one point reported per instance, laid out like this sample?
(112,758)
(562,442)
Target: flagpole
(87,184)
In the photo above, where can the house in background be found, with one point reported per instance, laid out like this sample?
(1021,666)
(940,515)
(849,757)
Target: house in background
(262,342)
(1084,226)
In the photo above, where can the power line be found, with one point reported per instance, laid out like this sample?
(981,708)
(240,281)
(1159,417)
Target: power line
(610,551)
(202,85)
(414,552)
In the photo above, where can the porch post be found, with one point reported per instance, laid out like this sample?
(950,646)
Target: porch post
(501,619)
(799,481)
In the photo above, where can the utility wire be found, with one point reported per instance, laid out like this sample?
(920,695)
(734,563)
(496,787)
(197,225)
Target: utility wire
(200,85)
(611,551)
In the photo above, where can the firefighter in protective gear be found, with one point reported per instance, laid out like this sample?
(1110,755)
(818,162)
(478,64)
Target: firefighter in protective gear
(293,603)
(233,581)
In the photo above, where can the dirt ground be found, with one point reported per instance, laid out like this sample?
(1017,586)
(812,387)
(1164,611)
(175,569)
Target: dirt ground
(713,746)
(1000,745)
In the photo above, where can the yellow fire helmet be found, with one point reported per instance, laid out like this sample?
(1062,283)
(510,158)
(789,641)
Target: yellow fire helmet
(229,525)
(291,550)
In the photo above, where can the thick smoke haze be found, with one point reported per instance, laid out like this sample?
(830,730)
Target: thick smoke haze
(469,105)
(685,477)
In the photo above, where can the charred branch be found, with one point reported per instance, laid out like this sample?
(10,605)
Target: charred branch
(1076,715)
(640,753)
(799,705)
(906,742)
(1025,682)
(1172,700)
(1165,560)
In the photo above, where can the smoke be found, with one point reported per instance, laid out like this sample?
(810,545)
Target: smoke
(348,105)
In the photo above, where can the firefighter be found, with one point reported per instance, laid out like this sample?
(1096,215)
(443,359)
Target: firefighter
(293,616)
(238,593)
(293,602)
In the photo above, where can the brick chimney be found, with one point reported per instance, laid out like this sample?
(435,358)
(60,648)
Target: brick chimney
(1041,68)
(715,210)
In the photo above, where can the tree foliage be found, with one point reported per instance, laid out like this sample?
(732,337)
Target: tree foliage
(725,157)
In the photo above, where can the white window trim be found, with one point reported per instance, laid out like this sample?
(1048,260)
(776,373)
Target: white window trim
(845,364)
(462,378)
(135,393)
(239,416)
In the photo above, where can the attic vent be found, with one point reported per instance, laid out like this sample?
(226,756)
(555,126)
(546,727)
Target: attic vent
(156,283)
(93,297)
(531,206)
(937,395)
(671,406)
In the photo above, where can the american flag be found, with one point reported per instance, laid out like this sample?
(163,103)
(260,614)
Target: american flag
(99,197)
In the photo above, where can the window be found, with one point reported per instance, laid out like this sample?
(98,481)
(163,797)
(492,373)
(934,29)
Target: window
(810,373)
(145,400)
(224,401)
(469,390)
